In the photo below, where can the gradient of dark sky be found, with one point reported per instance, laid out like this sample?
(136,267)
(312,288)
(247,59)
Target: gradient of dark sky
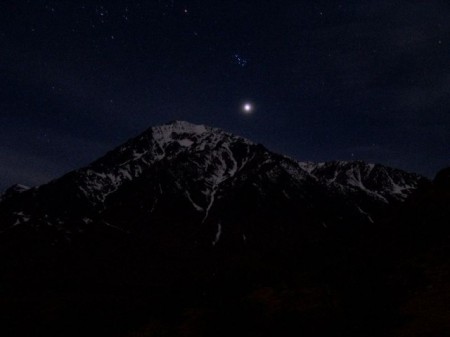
(330,80)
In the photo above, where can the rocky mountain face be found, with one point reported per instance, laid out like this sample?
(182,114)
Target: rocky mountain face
(202,175)
(188,230)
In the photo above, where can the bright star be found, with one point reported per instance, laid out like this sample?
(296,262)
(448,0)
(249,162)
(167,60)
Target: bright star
(248,108)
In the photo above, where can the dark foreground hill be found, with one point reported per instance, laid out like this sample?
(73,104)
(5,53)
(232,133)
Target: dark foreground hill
(187,230)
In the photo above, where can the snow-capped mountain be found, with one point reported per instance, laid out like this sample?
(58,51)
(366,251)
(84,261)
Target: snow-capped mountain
(13,190)
(186,173)
(215,151)
(381,182)
(187,225)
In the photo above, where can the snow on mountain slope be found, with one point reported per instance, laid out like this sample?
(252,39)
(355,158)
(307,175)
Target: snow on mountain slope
(381,182)
(212,148)
(13,190)
(196,165)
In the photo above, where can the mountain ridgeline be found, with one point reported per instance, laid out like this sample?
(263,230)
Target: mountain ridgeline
(204,176)
(187,230)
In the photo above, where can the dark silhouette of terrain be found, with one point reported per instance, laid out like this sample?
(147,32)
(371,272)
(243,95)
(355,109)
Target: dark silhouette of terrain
(189,231)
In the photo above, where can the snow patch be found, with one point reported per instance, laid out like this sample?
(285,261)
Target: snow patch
(197,207)
(185,142)
(211,202)
(366,214)
(286,195)
(218,234)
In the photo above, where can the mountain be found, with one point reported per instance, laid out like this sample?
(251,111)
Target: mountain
(187,230)
(203,173)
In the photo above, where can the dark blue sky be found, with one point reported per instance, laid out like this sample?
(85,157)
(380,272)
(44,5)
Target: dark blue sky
(329,80)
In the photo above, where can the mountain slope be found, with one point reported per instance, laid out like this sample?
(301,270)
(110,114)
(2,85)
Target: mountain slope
(187,230)
(202,173)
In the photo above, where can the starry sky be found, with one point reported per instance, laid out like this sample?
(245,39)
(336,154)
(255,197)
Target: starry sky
(328,80)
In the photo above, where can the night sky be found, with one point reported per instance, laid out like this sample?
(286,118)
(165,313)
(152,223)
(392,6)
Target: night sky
(328,79)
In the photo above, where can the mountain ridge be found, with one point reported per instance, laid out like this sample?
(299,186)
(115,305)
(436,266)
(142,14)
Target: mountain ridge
(201,232)
(200,166)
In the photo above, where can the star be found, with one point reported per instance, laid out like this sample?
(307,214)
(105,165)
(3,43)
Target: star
(247,108)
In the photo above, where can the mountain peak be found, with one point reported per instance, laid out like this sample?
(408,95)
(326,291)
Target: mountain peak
(210,148)
(13,190)
(184,133)
(206,170)
(179,126)
(384,183)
